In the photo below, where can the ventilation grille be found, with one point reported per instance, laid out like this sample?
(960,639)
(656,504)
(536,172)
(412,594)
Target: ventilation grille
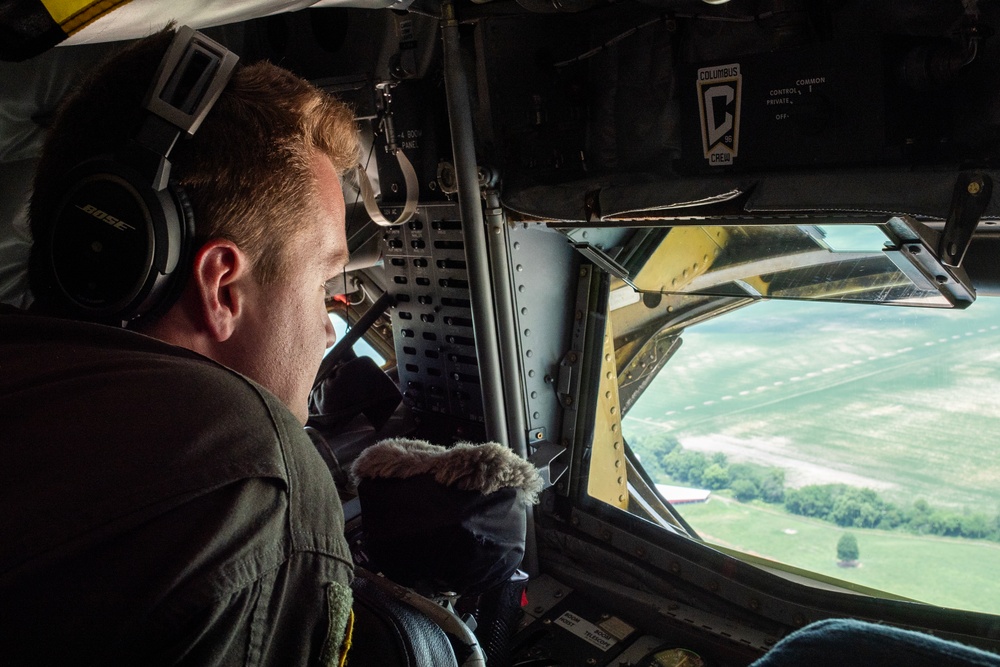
(432,322)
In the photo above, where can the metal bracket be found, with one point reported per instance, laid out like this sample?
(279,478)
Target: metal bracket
(969,201)
(544,460)
(535,435)
(383,90)
(915,254)
(406,167)
(603,260)
(565,380)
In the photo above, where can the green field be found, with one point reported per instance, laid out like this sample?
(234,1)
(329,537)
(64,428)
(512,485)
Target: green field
(943,571)
(834,393)
(903,401)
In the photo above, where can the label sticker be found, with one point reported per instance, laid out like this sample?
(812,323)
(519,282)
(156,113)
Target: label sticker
(719,92)
(623,296)
(586,630)
(617,627)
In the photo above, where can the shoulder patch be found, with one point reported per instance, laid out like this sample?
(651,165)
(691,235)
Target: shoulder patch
(340,624)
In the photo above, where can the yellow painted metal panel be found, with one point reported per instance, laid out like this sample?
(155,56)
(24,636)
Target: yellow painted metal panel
(72,15)
(608,478)
(60,10)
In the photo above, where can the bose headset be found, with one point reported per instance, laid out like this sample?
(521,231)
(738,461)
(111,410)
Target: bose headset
(119,240)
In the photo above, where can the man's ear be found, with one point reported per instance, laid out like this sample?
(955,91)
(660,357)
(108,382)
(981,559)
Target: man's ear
(220,269)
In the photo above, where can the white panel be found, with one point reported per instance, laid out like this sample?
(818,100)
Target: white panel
(139,18)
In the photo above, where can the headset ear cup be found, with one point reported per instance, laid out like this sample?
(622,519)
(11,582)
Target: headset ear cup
(114,243)
(180,231)
(117,245)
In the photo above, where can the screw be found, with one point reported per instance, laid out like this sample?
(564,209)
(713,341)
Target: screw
(975,187)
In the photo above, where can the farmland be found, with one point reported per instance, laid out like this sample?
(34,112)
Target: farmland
(905,402)
(946,571)
(902,401)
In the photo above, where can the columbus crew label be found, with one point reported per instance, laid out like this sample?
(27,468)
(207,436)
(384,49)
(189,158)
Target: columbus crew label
(719,91)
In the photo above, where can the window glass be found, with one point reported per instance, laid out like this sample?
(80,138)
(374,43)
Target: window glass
(854,441)
(361,348)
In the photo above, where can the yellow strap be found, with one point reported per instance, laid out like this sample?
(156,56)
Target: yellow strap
(74,15)
(348,639)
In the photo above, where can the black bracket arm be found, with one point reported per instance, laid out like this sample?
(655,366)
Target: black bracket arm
(969,201)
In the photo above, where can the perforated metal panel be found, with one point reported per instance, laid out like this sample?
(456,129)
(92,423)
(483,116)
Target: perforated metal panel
(426,270)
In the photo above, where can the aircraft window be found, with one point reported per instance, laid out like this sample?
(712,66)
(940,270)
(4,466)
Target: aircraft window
(894,262)
(855,442)
(361,348)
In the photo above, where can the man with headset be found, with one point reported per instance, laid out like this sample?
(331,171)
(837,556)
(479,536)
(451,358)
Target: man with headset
(160,502)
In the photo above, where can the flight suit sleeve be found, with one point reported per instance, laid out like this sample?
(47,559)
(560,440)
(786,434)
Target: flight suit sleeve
(240,589)
(290,616)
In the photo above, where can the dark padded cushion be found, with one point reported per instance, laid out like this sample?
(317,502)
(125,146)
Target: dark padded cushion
(390,633)
(437,538)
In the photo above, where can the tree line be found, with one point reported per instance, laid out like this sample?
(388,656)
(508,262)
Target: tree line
(841,504)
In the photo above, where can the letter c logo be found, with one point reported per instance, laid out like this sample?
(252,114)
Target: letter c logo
(712,95)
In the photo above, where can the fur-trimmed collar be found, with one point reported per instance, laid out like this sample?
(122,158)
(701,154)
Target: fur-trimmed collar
(485,467)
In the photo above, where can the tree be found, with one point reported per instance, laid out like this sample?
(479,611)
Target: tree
(772,486)
(976,526)
(662,448)
(847,550)
(812,500)
(715,477)
(744,490)
(685,466)
(757,481)
(859,508)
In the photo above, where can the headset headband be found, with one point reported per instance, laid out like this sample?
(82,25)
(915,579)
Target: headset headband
(189,80)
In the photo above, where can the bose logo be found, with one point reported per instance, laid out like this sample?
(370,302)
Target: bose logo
(118,224)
